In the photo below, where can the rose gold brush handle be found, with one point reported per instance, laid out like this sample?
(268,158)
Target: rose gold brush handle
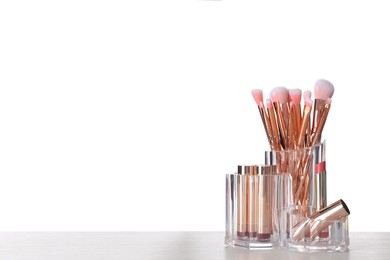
(267,126)
(305,167)
(305,121)
(279,109)
(303,185)
(318,109)
(298,119)
(316,133)
(291,129)
(274,126)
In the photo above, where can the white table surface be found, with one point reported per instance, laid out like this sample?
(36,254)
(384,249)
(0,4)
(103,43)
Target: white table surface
(165,245)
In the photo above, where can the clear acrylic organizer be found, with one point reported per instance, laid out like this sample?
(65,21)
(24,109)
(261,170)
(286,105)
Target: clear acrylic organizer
(253,210)
(310,234)
(286,207)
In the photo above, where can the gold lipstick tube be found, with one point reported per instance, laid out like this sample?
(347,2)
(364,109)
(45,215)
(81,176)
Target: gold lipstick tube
(319,221)
(251,174)
(265,203)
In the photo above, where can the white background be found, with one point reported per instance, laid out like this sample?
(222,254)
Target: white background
(126,115)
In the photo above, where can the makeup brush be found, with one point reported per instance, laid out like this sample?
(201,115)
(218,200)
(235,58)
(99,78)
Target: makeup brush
(323,90)
(294,120)
(316,133)
(307,95)
(304,136)
(279,97)
(305,118)
(295,97)
(258,96)
(273,123)
(292,127)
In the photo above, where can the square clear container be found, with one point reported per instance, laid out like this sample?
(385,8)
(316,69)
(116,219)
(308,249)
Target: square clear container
(253,212)
(308,234)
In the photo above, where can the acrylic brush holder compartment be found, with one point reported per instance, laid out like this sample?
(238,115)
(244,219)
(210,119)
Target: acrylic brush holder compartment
(252,212)
(309,223)
(300,165)
(316,233)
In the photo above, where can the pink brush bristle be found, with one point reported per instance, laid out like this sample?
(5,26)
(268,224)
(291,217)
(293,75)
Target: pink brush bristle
(323,89)
(295,96)
(308,101)
(328,101)
(269,103)
(306,94)
(279,94)
(258,96)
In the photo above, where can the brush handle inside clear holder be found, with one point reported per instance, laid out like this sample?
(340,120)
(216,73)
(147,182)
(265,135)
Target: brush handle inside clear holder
(313,235)
(307,188)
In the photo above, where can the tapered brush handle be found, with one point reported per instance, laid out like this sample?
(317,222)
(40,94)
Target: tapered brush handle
(316,134)
(274,126)
(305,121)
(267,126)
(279,110)
(318,110)
(291,128)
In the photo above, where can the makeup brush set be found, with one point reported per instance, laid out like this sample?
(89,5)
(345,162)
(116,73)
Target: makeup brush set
(283,202)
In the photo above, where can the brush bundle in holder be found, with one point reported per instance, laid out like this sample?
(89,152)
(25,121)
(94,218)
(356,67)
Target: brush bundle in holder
(288,197)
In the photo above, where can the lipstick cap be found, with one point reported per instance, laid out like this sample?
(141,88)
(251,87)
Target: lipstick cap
(248,169)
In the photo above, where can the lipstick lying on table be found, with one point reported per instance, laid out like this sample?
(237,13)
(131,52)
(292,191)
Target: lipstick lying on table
(316,223)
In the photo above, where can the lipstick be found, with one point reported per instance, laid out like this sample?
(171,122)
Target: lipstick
(265,203)
(312,226)
(251,173)
(241,202)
